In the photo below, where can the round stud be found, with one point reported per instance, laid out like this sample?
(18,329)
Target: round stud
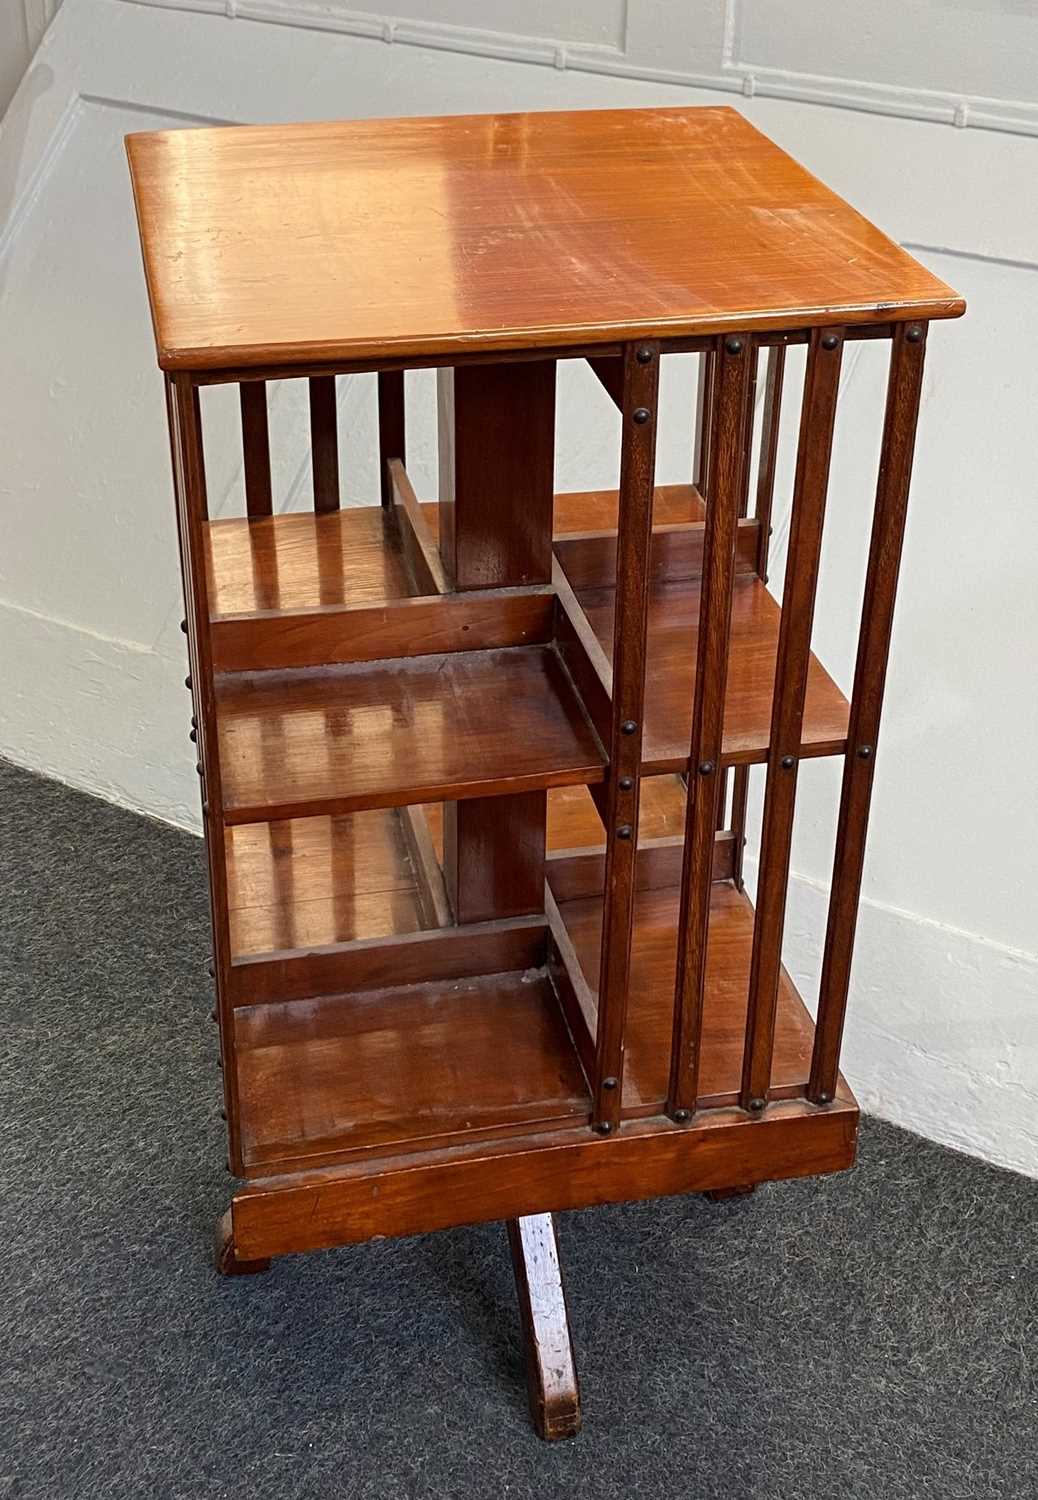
(209,969)
(755,1106)
(609,1083)
(624,831)
(219,1063)
(183,626)
(187,683)
(825,1098)
(223,1114)
(788,762)
(628,726)
(914,333)
(644,355)
(193,736)
(864,752)
(829,341)
(733,346)
(602,1127)
(706,768)
(212,1015)
(625,783)
(198,767)
(194,722)
(205,809)
(681,1116)
(641,415)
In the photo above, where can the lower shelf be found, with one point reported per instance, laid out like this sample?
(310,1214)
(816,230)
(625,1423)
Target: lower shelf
(651,1003)
(341,1073)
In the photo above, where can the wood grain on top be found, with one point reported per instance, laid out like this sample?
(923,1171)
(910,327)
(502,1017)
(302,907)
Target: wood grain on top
(360,240)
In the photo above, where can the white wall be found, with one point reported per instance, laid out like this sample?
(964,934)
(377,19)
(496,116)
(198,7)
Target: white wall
(944,1020)
(22,24)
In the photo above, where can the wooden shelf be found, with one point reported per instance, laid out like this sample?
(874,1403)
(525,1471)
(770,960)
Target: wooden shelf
(383,734)
(342,1073)
(650,1015)
(312,882)
(302,560)
(671,672)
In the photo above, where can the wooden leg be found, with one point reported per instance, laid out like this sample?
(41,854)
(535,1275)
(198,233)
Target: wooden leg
(551,1374)
(227,1262)
(721,1195)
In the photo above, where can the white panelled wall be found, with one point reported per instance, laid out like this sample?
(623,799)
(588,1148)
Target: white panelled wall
(943,1029)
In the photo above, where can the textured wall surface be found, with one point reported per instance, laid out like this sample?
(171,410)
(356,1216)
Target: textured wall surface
(944,1018)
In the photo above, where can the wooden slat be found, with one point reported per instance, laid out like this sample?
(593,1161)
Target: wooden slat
(274,640)
(589,559)
(703,423)
(733,368)
(637,479)
(405,958)
(770,429)
(392,428)
(324,443)
(563,1169)
(420,551)
(817,421)
(189,487)
(904,391)
(256,448)
(203,497)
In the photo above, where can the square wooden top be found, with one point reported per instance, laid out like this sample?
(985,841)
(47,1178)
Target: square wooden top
(359,240)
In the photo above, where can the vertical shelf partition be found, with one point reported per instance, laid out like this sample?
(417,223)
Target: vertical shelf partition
(475,772)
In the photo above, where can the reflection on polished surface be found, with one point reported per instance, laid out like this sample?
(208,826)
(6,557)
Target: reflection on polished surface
(355,239)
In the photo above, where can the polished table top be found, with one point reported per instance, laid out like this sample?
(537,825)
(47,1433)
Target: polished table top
(373,239)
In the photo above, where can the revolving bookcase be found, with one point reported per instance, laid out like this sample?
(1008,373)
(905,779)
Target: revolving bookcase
(475,772)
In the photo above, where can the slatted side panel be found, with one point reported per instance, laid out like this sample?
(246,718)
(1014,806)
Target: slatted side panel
(895,469)
(818,416)
(634,539)
(729,405)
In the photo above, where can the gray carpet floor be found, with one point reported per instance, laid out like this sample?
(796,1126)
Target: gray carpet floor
(868,1335)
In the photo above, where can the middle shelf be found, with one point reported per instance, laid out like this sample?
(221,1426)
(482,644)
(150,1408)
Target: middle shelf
(417,729)
(340,685)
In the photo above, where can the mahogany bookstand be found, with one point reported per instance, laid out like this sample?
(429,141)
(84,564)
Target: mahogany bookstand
(474,774)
